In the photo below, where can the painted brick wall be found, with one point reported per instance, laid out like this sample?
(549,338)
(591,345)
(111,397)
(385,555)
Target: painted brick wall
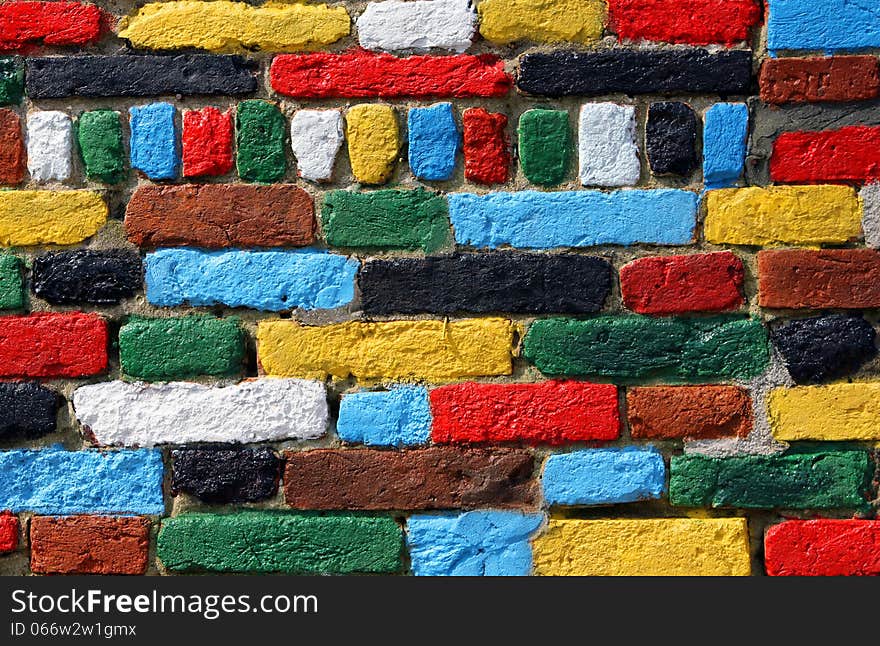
(503,287)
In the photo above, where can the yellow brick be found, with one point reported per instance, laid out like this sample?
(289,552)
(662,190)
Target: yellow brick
(222,26)
(543,21)
(49,217)
(644,547)
(373,142)
(835,412)
(803,215)
(397,350)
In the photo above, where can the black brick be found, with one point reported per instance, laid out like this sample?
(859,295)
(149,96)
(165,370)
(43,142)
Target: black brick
(225,475)
(28,410)
(671,138)
(86,276)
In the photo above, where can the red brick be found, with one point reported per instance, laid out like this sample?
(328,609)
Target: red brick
(688,412)
(49,23)
(360,74)
(53,345)
(807,80)
(827,278)
(553,412)
(11,148)
(850,154)
(8,532)
(207,142)
(89,545)
(823,548)
(694,22)
(486,146)
(708,282)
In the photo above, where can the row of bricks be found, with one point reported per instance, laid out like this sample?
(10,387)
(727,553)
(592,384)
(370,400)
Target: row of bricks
(446,24)
(475,543)
(283,215)
(608,151)
(433,478)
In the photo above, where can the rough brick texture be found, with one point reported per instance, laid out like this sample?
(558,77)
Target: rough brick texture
(689,412)
(226,475)
(53,345)
(89,545)
(84,276)
(809,80)
(823,548)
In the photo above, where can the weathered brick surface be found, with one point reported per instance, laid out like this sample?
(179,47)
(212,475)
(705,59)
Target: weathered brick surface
(690,412)
(53,345)
(12,152)
(29,409)
(9,529)
(85,276)
(89,545)
(809,80)
(226,475)
(823,548)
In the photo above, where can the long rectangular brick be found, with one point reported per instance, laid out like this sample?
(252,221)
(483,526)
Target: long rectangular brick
(644,547)
(392,350)
(823,548)
(827,480)
(541,220)
(848,154)
(359,74)
(162,349)
(400,416)
(183,412)
(421,25)
(697,22)
(267,541)
(700,282)
(803,215)
(552,412)
(87,276)
(821,25)
(49,217)
(57,77)
(89,545)
(12,154)
(830,413)
(48,23)
(29,409)
(264,280)
(635,347)
(53,345)
(508,21)
(808,80)
(392,219)
(209,216)
(654,71)
(55,481)
(827,278)
(688,412)
(497,282)
(226,474)
(431,478)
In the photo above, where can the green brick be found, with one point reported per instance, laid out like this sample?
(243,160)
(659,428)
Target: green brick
(827,480)
(266,541)
(11,81)
(11,291)
(391,219)
(260,137)
(545,146)
(176,348)
(640,347)
(99,133)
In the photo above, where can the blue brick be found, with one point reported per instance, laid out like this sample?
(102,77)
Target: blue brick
(263,280)
(475,543)
(154,140)
(537,220)
(55,481)
(827,25)
(725,131)
(397,417)
(433,141)
(603,476)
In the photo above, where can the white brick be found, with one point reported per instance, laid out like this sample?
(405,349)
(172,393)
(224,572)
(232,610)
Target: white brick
(394,25)
(609,154)
(870,195)
(315,137)
(49,145)
(126,414)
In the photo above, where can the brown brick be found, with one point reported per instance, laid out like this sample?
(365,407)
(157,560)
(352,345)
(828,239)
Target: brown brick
(808,279)
(11,148)
(431,478)
(806,80)
(688,412)
(89,545)
(216,216)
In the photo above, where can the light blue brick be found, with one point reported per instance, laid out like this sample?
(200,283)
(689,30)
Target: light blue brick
(397,417)
(603,476)
(538,220)
(725,132)
(433,141)
(55,481)
(263,280)
(474,543)
(827,25)
(154,140)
